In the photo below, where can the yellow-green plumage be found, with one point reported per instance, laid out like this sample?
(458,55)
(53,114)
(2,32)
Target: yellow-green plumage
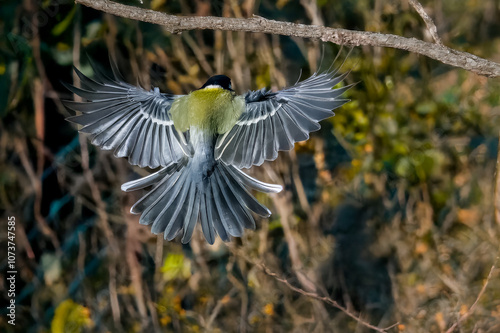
(212,108)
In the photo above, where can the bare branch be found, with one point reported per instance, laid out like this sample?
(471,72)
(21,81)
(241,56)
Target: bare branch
(427,19)
(325,299)
(497,185)
(218,307)
(473,306)
(177,24)
(22,152)
(309,294)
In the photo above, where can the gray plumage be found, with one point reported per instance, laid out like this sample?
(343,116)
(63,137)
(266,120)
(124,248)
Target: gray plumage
(200,177)
(274,121)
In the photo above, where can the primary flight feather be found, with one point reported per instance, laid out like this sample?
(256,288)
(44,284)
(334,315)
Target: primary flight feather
(201,141)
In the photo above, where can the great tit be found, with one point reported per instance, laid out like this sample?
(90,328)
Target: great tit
(201,141)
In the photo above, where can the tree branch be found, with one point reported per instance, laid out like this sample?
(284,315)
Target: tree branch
(473,306)
(325,299)
(309,294)
(427,20)
(178,24)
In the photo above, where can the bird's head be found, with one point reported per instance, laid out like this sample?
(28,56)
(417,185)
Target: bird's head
(218,81)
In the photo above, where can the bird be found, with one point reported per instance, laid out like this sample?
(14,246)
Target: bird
(200,142)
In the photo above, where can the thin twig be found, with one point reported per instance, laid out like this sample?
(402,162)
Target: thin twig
(299,186)
(427,20)
(36,182)
(48,90)
(311,8)
(113,294)
(135,269)
(243,294)
(325,299)
(96,195)
(89,177)
(198,54)
(497,186)
(177,24)
(285,211)
(218,307)
(473,307)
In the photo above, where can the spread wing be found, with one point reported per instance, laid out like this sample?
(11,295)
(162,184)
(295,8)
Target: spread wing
(274,121)
(132,121)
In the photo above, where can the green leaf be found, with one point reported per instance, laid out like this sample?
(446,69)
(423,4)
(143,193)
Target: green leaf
(403,167)
(426,108)
(176,266)
(70,317)
(63,25)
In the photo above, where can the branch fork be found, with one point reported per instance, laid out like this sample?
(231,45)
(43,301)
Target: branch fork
(178,24)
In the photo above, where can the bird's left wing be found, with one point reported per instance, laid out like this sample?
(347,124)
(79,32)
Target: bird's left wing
(274,121)
(132,121)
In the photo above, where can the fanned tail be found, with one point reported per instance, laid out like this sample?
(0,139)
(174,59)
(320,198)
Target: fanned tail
(178,200)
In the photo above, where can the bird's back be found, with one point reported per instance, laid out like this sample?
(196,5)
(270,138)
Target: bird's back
(212,108)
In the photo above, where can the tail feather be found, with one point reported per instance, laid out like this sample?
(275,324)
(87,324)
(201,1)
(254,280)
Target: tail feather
(214,218)
(144,182)
(252,182)
(244,196)
(205,220)
(229,221)
(239,212)
(178,200)
(155,199)
(155,213)
(173,215)
(155,177)
(192,214)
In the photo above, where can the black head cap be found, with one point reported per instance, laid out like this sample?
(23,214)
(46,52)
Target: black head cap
(219,80)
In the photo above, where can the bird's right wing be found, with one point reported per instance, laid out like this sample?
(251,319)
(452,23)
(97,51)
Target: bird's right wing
(132,121)
(274,121)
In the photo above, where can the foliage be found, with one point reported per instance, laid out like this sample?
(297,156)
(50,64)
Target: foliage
(70,317)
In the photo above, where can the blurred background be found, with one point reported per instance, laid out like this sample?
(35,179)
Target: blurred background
(388,209)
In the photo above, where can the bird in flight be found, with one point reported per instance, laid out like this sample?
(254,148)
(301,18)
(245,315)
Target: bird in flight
(200,142)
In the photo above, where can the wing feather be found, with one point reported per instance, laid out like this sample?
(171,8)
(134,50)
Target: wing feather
(274,121)
(133,122)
